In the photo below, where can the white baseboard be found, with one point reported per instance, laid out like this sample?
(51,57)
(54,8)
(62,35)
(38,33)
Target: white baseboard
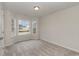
(67,47)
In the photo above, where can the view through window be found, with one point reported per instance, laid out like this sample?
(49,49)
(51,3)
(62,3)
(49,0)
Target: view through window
(34,26)
(24,27)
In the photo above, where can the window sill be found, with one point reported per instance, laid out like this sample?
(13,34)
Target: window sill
(24,33)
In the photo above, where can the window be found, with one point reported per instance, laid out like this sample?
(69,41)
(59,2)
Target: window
(13,26)
(1,27)
(24,27)
(34,27)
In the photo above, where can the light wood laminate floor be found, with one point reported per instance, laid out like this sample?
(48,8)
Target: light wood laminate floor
(37,48)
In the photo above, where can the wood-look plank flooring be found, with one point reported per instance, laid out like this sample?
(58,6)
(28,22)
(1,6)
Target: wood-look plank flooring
(37,48)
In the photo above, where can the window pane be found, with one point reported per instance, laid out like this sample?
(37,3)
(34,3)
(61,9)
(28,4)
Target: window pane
(24,27)
(14,27)
(34,27)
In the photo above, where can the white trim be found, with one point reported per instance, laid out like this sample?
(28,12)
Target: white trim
(70,48)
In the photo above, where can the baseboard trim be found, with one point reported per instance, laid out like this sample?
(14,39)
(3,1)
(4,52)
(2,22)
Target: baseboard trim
(69,48)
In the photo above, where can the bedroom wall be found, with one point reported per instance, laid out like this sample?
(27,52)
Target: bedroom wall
(62,28)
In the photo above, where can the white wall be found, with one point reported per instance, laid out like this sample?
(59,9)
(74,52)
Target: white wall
(62,28)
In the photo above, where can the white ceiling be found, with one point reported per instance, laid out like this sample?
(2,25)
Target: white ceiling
(46,8)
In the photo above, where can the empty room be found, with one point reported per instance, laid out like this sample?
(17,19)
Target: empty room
(39,28)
